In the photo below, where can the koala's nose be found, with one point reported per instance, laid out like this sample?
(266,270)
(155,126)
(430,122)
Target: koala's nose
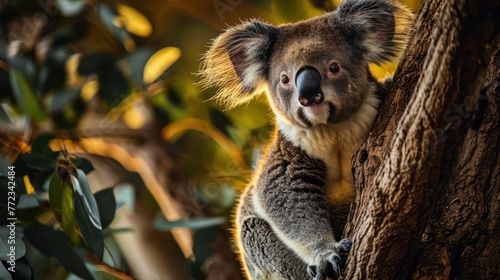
(308,82)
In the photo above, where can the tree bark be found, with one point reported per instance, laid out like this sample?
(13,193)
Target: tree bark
(428,185)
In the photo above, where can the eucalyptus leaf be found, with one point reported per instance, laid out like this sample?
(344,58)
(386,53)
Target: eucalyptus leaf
(55,193)
(107,206)
(6,242)
(41,145)
(38,162)
(68,219)
(53,243)
(4,165)
(27,201)
(23,269)
(93,236)
(4,116)
(4,273)
(111,19)
(138,60)
(95,63)
(198,223)
(70,8)
(83,191)
(64,98)
(84,164)
(159,62)
(24,64)
(25,96)
(87,214)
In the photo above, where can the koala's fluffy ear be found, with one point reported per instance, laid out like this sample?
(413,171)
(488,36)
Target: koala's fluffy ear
(238,62)
(377,28)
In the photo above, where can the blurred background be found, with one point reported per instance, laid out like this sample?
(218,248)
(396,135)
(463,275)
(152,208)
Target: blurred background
(120,165)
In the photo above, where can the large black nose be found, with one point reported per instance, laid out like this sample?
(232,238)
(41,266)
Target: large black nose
(308,84)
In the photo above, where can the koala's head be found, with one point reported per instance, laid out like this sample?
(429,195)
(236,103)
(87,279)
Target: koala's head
(314,71)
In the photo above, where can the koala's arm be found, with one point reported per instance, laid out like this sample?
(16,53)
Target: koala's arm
(291,198)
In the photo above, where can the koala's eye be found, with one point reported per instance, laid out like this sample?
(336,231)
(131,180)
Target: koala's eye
(284,79)
(334,67)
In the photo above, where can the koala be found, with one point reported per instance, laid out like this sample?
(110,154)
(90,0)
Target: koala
(315,75)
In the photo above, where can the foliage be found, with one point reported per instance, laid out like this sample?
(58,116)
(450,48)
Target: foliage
(60,60)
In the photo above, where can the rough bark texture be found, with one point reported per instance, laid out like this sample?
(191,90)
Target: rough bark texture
(428,185)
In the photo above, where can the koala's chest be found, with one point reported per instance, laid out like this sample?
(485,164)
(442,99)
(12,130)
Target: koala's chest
(339,187)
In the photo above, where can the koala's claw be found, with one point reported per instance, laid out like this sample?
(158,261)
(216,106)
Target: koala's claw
(344,246)
(331,264)
(311,270)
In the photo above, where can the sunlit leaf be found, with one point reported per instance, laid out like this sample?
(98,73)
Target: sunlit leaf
(135,22)
(163,224)
(89,89)
(109,16)
(159,62)
(134,118)
(25,96)
(27,184)
(73,77)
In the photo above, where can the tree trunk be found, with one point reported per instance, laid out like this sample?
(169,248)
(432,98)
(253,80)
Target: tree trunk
(428,176)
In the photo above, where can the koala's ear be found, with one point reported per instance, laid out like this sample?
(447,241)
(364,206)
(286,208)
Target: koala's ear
(238,62)
(378,28)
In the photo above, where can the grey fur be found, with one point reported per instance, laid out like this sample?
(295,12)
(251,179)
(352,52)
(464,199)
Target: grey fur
(290,218)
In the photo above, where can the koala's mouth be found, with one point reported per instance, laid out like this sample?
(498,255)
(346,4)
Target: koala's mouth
(323,113)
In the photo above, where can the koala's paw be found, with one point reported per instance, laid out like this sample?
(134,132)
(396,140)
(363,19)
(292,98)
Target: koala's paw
(331,263)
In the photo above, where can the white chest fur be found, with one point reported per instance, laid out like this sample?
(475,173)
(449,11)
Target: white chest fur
(335,144)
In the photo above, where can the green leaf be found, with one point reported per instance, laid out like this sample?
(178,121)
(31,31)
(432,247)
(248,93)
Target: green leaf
(83,192)
(54,243)
(4,116)
(70,8)
(68,221)
(95,63)
(38,162)
(64,98)
(87,214)
(27,201)
(25,96)
(107,206)
(4,165)
(137,61)
(41,145)
(84,164)
(6,242)
(4,273)
(55,193)
(110,18)
(163,224)
(159,62)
